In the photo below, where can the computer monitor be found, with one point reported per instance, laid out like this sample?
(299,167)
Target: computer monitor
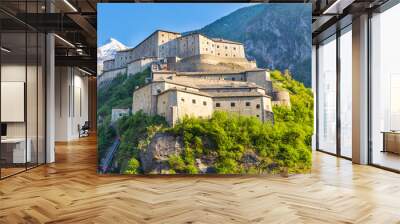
(3,130)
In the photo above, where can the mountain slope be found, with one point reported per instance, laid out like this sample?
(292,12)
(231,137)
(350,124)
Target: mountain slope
(278,36)
(107,52)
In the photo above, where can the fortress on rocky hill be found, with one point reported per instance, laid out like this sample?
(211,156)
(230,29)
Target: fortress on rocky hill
(195,75)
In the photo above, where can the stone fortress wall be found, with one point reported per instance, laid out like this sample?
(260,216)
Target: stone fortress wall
(131,68)
(147,48)
(108,65)
(281,98)
(118,113)
(163,44)
(194,75)
(139,65)
(175,103)
(182,95)
(109,75)
(207,62)
(261,77)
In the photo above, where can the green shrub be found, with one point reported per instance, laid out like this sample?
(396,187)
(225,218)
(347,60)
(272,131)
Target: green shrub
(136,132)
(118,93)
(177,163)
(229,136)
(133,166)
(106,135)
(226,140)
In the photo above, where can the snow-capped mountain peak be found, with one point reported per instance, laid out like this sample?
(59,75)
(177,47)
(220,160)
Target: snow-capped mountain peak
(107,52)
(114,43)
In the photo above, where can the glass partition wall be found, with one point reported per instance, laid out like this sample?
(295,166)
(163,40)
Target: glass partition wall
(22,76)
(334,93)
(385,89)
(326,101)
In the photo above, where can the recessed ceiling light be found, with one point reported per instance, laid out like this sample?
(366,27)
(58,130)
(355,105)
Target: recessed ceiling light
(86,72)
(5,50)
(337,7)
(64,40)
(70,5)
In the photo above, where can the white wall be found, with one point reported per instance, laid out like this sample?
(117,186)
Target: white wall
(61,103)
(71,102)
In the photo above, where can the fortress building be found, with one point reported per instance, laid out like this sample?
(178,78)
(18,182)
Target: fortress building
(190,52)
(175,95)
(194,75)
(117,113)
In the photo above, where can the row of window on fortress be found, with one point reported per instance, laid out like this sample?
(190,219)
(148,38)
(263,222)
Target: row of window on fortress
(184,45)
(162,41)
(206,49)
(219,104)
(162,47)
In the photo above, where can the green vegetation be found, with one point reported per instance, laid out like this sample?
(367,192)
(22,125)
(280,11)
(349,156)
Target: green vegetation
(231,140)
(225,143)
(133,167)
(105,137)
(301,113)
(116,94)
(239,144)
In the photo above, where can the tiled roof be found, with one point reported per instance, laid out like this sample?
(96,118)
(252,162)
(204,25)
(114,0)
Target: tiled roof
(225,41)
(220,72)
(211,83)
(236,94)
(185,91)
(206,84)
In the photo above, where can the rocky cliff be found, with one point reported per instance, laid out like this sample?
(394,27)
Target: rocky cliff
(155,158)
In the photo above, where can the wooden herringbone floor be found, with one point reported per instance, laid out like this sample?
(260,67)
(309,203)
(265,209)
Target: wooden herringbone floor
(70,191)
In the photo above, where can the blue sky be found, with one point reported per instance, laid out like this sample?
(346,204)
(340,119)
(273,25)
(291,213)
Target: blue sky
(130,23)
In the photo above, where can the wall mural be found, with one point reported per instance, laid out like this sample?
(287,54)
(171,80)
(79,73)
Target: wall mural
(204,89)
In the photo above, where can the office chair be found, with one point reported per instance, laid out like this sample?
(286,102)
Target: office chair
(84,130)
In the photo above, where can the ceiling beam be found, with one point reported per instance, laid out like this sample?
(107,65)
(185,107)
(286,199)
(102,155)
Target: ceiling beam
(79,61)
(49,22)
(89,30)
(337,7)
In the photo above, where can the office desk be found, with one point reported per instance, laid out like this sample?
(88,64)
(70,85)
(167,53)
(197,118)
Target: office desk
(391,141)
(13,150)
